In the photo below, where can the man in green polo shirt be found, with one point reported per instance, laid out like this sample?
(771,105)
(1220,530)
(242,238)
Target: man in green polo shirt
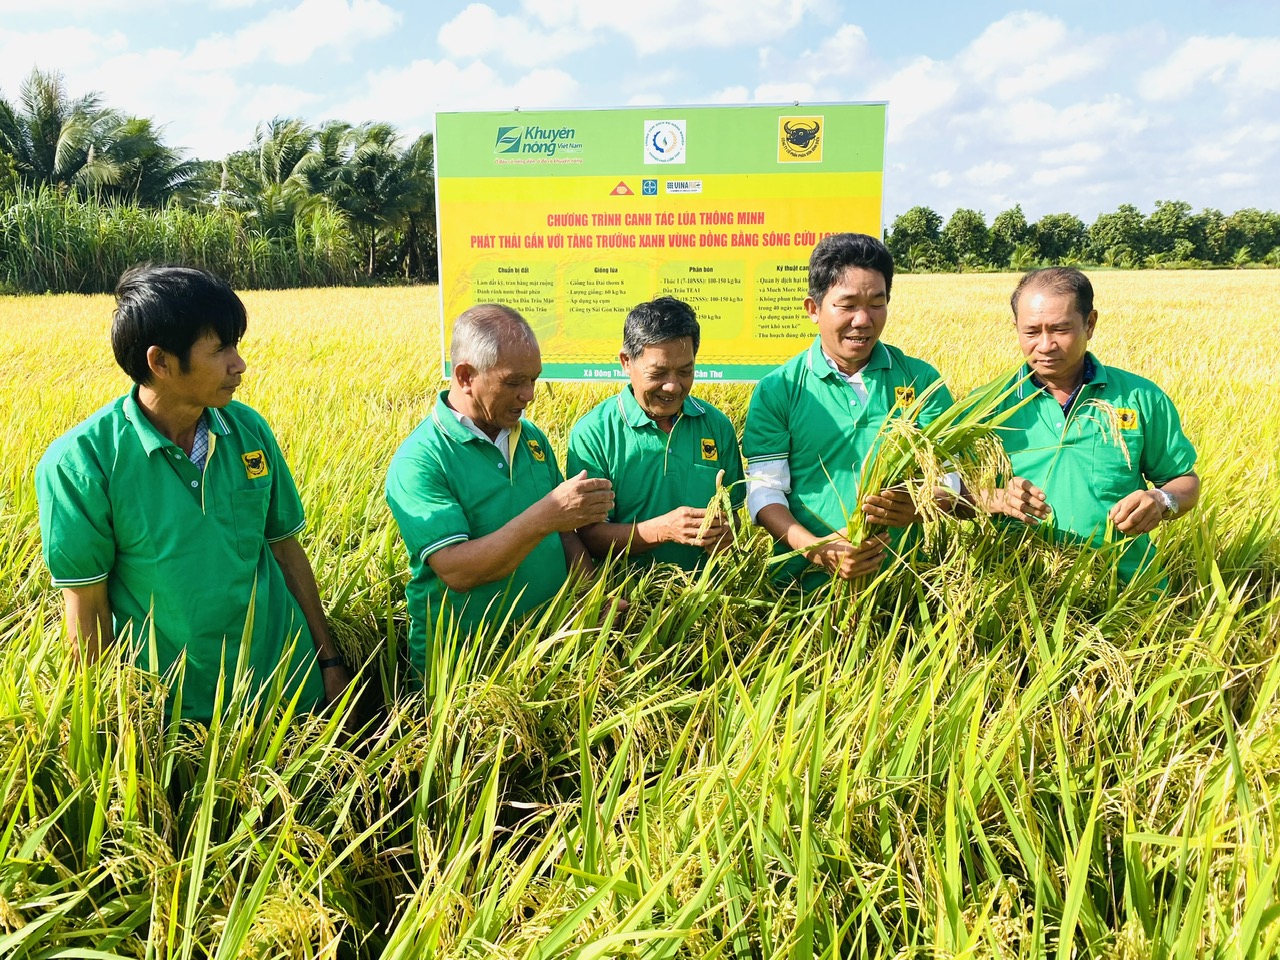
(813,421)
(661,448)
(1093,448)
(170,518)
(487,517)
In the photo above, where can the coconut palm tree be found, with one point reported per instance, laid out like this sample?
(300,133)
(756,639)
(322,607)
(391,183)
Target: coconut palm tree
(59,141)
(375,187)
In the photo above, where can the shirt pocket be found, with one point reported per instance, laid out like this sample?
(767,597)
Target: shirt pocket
(249,513)
(1115,461)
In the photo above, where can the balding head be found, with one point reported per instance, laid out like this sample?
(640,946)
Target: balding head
(484,333)
(1062,281)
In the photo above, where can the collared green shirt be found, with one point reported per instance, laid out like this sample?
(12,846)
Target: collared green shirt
(1084,465)
(654,472)
(806,413)
(183,551)
(447,485)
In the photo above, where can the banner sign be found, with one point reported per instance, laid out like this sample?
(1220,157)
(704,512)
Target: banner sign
(573,217)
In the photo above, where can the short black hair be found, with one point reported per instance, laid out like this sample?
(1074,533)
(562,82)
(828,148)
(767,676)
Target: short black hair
(658,321)
(171,307)
(837,253)
(1057,280)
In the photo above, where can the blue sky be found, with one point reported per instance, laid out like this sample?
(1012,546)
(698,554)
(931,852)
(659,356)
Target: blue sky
(1058,107)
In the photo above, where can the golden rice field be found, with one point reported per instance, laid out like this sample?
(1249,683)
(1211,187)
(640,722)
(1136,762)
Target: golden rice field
(994,751)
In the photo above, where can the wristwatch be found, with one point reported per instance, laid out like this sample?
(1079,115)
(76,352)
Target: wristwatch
(1169,501)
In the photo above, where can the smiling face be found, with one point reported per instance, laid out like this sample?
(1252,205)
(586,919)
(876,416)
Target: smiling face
(661,376)
(212,373)
(851,316)
(1054,337)
(496,398)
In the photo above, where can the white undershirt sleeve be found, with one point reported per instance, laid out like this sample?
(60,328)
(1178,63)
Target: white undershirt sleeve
(768,481)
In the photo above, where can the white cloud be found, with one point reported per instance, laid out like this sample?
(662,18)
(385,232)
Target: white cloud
(942,178)
(658,25)
(1027,52)
(735,94)
(1039,122)
(922,88)
(479,30)
(1085,151)
(67,49)
(988,174)
(1244,65)
(410,95)
(1056,175)
(295,35)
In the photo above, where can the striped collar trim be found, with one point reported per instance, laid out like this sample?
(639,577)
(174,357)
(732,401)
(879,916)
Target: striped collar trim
(152,439)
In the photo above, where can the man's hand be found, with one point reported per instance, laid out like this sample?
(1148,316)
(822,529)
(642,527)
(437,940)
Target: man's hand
(336,680)
(1138,513)
(1020,499)
(683,525)
(890,508)
(578,502)
(842,559)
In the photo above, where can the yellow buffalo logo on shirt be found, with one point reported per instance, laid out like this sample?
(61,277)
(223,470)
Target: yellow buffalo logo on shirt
(536,449)
(905,396)
(709,449)
(255,464)
(1127,417)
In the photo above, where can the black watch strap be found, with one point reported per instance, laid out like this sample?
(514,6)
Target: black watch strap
(326,662)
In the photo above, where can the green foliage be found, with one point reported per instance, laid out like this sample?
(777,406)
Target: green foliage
(918,226)
(1060,236)
(1009,231)
(968,238)
(60,242)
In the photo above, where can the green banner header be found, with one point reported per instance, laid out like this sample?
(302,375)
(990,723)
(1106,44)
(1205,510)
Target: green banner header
(668,141)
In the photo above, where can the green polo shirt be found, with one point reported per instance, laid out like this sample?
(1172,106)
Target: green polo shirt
(183,551)
(1084,467)
(805,412)
(654,472)
(447,485)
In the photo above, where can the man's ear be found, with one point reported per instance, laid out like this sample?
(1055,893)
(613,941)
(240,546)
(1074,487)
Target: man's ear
(811,308)
(464,373)
(625,360)
(162,363)
(1090,322)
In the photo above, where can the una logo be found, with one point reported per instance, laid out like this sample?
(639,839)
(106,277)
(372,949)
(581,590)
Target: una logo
(800,139)
(1127,417)
(508,140)
(708,449)
(904,395)
(255,464)
(536,449)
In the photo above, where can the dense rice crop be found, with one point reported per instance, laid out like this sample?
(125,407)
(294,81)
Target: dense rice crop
(990,752)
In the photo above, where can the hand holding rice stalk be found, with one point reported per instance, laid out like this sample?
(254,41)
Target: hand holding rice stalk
(963,439)
(719,511)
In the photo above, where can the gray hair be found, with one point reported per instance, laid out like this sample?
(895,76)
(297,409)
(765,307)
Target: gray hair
(480,333)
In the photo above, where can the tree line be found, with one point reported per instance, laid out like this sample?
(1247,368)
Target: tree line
(87,190)
(1170,236)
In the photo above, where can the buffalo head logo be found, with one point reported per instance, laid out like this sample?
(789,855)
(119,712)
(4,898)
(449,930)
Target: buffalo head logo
(800,133)
(708,449)
(255,464)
